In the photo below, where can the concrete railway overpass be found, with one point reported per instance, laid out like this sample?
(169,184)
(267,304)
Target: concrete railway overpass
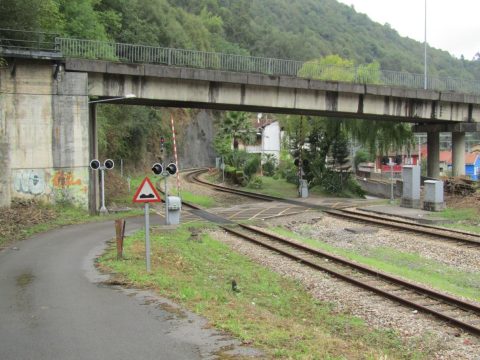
(48,127)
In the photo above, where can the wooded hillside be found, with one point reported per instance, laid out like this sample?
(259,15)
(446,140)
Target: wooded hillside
(300,29)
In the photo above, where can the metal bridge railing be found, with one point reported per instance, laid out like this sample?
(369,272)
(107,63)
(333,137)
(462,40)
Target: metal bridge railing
(101,50)
(27,40)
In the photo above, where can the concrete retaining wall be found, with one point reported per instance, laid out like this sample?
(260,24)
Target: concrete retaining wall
(381,189)
(43,134)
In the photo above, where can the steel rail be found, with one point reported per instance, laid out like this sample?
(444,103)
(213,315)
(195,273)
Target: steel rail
(436,231)
(457,304)
(416,290)
(447,234)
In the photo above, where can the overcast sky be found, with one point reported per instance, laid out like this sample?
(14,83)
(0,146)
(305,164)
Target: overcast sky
(452,25)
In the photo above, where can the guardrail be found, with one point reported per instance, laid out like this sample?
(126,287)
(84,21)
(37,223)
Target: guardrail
(101,50)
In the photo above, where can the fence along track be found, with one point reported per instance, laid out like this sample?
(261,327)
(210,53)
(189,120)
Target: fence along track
(459,313)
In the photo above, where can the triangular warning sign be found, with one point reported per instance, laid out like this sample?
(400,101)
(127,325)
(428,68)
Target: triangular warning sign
(146,192)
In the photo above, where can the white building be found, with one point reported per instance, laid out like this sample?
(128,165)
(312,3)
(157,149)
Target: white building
(269,138)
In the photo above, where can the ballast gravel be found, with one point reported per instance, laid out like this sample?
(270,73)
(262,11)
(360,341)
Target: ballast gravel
(418,330)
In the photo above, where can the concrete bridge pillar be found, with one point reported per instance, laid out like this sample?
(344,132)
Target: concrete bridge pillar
(433,154)
(458,153)
(44,138)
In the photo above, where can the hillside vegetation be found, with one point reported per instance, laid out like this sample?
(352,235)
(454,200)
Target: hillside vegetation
(301,29)
(306,30)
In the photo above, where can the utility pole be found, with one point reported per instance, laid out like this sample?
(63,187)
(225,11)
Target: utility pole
(425,50)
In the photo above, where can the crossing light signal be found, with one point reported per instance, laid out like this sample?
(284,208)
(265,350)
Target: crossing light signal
(172,168)
(95,164)
(298,163)
(108,164)
(157,169)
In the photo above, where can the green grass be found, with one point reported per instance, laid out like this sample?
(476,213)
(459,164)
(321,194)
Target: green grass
(274,313)
(467,219)
(407,265)
(201,200)
(279,188)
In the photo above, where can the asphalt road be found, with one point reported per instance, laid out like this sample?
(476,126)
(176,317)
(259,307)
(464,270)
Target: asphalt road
(54,306)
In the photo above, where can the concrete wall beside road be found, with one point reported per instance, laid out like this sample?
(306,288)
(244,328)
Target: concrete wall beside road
(43,133)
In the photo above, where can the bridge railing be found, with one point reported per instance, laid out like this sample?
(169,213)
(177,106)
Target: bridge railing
(251,64)
(27,40)
(101,50)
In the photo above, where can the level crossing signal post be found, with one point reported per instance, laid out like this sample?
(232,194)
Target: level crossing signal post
(107,165)
(170,169)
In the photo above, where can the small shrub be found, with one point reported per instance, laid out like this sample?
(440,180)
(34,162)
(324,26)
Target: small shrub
(255,183)
(251,166)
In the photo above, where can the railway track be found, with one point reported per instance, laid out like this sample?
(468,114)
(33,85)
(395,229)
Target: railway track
(454,311)
(446,308)
(461,238)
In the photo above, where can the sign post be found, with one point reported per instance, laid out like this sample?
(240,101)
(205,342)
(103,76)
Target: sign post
(146,193)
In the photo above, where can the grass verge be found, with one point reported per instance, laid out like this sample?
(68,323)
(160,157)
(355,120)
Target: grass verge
(201,200)
(276,187)
(466,219)
(407,265)
(272,313)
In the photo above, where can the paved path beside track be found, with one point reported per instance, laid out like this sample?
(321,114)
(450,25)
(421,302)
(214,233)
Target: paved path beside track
(53,305)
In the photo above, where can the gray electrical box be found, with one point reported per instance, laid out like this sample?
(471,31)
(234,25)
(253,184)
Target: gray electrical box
(433,199)
(303,189)
(174,208)
(411,186)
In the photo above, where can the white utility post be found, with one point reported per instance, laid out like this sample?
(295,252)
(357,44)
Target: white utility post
(392,198)
(259,117)
(425,49)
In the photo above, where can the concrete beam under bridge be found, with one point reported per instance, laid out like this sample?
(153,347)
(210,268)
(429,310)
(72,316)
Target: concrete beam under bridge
(200,88)
(458,145)
(458,127)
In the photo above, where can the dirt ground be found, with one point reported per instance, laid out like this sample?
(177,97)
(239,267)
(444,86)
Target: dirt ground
(463,202)
(21,215)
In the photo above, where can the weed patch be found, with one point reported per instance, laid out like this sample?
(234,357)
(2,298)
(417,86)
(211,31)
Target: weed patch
(253,303)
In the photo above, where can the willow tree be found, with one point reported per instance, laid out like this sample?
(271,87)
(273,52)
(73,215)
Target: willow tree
(378,136)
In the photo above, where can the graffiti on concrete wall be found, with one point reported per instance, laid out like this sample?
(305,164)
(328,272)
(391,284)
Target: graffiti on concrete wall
(52,185)
(30,182)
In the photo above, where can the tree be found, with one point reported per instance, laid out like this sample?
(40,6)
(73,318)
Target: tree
(333,67)
(237,125)
(82,20)
(36,15)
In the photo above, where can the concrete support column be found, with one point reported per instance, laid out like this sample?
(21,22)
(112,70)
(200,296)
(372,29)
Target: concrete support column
(458,153)
(433,154)
(5,174)
(93,185)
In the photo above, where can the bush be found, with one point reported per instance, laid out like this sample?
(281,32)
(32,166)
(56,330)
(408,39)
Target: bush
(269,164)
(288,171)
(256,182)
(251,166)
